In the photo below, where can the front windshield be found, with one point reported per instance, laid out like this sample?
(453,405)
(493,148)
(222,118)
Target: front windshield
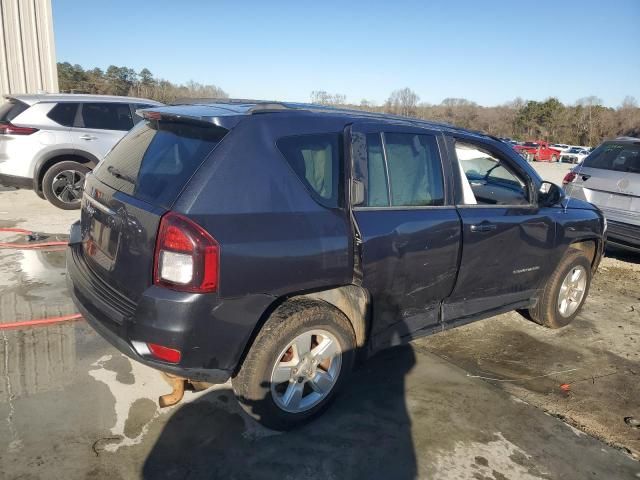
(575,150)
(530,144)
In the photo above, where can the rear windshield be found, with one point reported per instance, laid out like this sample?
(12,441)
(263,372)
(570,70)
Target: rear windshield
(621,157)
(156,159)
(11,109)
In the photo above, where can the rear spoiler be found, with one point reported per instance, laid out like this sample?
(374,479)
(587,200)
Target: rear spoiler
(218,119)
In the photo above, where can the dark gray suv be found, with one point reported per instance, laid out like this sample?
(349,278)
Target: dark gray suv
(270,243)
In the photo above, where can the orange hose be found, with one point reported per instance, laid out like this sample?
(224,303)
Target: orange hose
(26,245)
(31,245)
(40,321)
(16,230)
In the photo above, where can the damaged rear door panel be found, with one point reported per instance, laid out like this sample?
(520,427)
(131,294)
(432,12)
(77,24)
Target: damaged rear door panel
(410,231)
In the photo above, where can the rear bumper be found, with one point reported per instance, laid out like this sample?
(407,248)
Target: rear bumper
(211,334)
(15,181)
(623,235)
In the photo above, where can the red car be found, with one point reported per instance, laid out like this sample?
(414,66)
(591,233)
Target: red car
(538,151)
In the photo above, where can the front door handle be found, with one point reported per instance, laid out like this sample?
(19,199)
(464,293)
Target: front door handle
(483,227)
(87,137)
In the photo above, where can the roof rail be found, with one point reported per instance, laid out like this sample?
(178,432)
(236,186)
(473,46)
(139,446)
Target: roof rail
(268,106)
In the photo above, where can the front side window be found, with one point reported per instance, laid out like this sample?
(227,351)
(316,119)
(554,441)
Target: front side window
(316,160)
(107,116)
(488,179)
(621,157)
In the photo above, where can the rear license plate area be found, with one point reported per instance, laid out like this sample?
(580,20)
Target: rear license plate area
(101,244)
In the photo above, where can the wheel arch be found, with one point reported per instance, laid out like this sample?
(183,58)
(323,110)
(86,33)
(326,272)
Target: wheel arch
(46,162)
(351,300)
(590,248)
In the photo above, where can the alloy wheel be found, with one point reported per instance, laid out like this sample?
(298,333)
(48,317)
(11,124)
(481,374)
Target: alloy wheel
(68,185)
(572,291)
(306,371)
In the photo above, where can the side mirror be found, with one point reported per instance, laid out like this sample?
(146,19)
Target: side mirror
(549,194)
(357,192)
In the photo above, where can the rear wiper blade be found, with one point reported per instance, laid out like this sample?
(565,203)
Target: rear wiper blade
(116,173)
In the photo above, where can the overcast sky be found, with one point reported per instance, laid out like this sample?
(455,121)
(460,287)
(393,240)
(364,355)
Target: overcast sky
(486,51)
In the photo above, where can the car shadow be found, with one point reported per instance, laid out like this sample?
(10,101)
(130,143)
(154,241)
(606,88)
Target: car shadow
(366,433)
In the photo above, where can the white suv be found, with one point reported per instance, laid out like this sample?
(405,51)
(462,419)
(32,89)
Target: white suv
(49,142)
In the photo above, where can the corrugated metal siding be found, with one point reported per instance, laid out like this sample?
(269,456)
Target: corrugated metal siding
(27,48)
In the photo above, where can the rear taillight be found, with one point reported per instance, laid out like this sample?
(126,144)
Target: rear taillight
(10,129)
(568,178)
(186,256)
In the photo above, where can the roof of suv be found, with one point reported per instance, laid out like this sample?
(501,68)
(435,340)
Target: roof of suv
(208,110)
(32,99)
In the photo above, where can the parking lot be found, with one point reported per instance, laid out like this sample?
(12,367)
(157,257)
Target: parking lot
(496,399)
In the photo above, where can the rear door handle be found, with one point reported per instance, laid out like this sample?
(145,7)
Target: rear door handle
(483,227)
(87,137)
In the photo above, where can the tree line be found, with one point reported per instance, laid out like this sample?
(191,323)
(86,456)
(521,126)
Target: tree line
(126,81)
(586,122)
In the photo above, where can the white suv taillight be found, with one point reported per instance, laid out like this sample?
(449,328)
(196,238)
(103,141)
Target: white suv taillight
(186,256)
(7,128)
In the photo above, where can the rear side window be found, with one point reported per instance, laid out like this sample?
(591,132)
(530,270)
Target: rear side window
(156,159)
(11,109)
(63,113)
(403,170)
(415,171)
(106,116)
(316,161)
(621,157)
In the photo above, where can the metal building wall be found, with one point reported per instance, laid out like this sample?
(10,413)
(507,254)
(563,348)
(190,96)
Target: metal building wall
(27,47)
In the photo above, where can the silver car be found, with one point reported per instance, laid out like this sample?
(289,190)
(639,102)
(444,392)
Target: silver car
(610,179)
(49,142)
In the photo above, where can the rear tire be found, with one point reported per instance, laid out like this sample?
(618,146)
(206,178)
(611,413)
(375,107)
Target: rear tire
(284,383)
(63,184)
(565,291)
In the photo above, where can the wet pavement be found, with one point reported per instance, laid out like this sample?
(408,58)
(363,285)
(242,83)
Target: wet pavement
(596,359)
(73,407)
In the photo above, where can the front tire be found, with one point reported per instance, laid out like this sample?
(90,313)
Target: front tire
(63,184)
(554,158)
(565,292)
(297,364)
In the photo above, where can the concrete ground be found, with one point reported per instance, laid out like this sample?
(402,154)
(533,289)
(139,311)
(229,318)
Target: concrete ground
(73,407)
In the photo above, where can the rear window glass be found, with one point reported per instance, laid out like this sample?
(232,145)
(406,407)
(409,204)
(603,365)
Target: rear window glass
(63,113)
(156,159)
(11,109)
(107,116)
(316,161)
(621,157)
